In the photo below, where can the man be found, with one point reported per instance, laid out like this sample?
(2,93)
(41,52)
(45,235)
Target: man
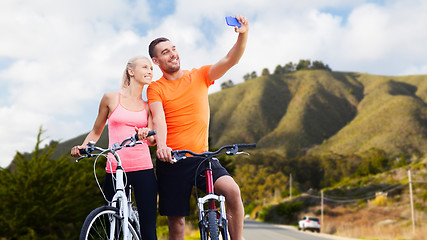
(180,108)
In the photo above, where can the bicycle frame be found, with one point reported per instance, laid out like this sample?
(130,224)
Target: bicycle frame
(120,197)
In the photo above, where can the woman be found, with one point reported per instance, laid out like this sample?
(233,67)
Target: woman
(127,113)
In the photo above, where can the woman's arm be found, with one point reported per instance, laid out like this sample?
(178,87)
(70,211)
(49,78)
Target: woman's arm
(98,126)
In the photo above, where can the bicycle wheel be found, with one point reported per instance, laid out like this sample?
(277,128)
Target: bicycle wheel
(98,224)
(224,229)
(213,225)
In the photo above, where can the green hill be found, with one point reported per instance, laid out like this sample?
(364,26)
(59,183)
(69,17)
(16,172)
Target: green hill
(322,111)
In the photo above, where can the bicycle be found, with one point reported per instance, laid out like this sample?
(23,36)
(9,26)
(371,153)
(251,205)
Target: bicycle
(110,221)
(212,221)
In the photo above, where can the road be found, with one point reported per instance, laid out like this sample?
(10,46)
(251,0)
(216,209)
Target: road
(254,230)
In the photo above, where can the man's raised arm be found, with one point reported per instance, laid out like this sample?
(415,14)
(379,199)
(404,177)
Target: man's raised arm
(233,56)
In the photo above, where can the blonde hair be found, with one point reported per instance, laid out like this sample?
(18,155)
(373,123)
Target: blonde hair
(130,64)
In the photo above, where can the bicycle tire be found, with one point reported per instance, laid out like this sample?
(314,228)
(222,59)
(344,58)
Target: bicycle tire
(213,225)
(97,225)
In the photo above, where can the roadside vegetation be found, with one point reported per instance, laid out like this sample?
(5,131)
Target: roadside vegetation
(368,204)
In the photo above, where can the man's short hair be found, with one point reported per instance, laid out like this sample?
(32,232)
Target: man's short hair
(153,45)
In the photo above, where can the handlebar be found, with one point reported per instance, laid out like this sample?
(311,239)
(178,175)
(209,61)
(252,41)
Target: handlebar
(133,140)
(230,150)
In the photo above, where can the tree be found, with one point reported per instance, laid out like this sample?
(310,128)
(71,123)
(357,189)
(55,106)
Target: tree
(246,77)
(253,75)
(317,65)
(227,84)
(374,161)
(259,182)
(276,182)
(45,198)
(265,72)
(278,70)
(289,67)
(303,64)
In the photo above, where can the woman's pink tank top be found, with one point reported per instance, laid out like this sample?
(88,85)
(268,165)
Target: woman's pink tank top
(121,125)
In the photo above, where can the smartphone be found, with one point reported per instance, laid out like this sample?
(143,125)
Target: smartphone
(232,21)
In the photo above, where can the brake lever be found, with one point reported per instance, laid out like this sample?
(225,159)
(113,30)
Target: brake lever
(232,151)
(178,156)
(242,153)
(80,158)
(115,147)
(133,140)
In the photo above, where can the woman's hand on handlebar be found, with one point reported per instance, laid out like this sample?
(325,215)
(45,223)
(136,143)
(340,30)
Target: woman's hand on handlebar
(146,134)
(75,151)
(142,132)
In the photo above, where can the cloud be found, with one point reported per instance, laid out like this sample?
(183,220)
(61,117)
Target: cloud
(57,58)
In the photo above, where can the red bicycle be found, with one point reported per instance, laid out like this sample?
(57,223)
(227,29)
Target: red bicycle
(213,220)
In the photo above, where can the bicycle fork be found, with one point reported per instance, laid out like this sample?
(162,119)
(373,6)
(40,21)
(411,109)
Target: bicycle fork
(133,212)
(211,198)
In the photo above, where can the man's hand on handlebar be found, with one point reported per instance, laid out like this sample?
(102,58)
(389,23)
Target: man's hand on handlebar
(164,154)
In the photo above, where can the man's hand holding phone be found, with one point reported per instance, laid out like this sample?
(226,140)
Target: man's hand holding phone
(239,23)
(232,21)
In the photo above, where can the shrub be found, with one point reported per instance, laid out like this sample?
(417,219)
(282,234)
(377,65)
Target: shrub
(263,213)
(250,207)
(380,200)
(286,212)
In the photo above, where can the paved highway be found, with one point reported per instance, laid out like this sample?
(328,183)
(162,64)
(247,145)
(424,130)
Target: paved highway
(254,230)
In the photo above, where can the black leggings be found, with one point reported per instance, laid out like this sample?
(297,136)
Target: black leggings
(145,190)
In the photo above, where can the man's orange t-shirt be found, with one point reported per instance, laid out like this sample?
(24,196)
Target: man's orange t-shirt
(186,106)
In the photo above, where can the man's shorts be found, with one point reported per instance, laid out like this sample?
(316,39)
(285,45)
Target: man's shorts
(176,183)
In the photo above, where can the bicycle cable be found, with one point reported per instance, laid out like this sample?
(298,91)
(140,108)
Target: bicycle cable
(96,178)
(112,175)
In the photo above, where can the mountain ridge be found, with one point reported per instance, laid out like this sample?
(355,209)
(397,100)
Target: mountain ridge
(319,109)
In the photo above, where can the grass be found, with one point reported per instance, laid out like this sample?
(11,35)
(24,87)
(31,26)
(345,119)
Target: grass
(387,222)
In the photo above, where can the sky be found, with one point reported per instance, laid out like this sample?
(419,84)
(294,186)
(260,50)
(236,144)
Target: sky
(58,58)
